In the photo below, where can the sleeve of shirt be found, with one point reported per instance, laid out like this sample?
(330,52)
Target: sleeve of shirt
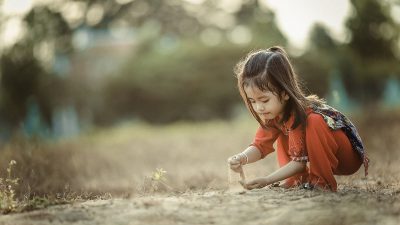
(297,148)
(264,140)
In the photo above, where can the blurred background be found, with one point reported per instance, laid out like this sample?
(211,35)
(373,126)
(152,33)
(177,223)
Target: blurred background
(100,73)
(67,66)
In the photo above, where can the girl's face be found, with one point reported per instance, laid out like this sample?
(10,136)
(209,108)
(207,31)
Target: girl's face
(266,103)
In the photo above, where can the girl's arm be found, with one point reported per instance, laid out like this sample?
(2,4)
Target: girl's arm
(290,169)
(249,155)
(252,153)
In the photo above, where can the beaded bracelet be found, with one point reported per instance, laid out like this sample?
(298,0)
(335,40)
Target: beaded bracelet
(247,158)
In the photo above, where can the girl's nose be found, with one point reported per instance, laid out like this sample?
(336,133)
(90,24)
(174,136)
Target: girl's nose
(260,107)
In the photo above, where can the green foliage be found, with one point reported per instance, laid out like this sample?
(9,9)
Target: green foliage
(18,82)
(172,75)
(37,203)
(320,39)
(26,75)
(188,81)
(193,82)
(373,32)
(8,202)
(369,58)
(315,65)
(364,63)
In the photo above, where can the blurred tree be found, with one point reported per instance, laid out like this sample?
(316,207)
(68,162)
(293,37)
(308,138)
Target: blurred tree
(171,16)
(262,23)
(320,39)
(182,49)
(192,83)
(371,49)
(373,31)
(17,82)
(320,59)
(26,66)
(191,79)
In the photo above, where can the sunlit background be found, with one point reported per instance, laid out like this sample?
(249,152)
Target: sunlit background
(113,89)
(70,65)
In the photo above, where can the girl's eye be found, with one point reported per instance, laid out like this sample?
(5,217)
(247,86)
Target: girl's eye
(265,101)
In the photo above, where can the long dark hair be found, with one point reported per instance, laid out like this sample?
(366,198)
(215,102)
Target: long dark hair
(271,70)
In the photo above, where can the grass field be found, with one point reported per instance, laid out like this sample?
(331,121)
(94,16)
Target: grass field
(129,161)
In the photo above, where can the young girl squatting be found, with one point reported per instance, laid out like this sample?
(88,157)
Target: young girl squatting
(314,141)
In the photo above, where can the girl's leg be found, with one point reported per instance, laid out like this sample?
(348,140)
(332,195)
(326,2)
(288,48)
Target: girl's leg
(321,148)
(283,159)
(349,160)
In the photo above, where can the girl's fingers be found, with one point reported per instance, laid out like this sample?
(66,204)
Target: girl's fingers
(235,164)
(248,186)
(236,169)
(251,185)
(233,161)
(243,184)
(255,186)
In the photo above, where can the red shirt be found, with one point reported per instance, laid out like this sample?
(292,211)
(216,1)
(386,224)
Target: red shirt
(294,138)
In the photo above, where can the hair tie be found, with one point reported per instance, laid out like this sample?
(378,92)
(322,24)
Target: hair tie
(274,49)
(277,49)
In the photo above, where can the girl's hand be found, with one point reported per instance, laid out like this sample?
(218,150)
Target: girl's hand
(235,162)
(259,182)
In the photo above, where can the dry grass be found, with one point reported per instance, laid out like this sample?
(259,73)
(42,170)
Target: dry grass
(122,161)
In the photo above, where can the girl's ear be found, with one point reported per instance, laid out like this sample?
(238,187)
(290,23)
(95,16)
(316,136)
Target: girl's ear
(285,96)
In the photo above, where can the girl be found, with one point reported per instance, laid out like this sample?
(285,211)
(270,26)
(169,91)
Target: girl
(305,128)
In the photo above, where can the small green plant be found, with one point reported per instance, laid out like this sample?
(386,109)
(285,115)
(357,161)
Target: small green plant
(156,182)
(8,203)
(159,175)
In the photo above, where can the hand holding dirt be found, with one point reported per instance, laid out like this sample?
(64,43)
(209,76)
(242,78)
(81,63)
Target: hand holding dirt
(235,162)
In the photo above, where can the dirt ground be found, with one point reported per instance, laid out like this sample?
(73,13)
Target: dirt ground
(271,205)
(198,187)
